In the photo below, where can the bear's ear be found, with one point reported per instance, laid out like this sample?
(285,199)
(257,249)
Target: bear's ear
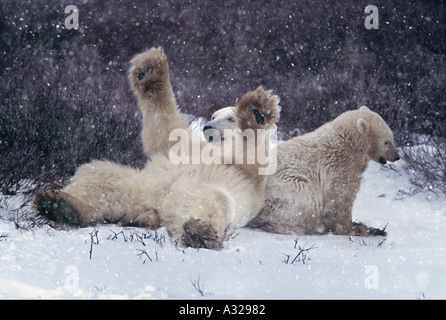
(362,125)
(364,108)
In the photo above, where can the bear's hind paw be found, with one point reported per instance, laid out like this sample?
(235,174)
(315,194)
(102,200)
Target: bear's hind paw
(55,206)
(200,234)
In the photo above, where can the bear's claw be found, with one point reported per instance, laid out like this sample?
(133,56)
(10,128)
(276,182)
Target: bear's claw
(257,110)
(360,229)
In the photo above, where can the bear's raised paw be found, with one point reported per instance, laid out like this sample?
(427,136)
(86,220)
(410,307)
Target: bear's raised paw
(149,73)
(258,110)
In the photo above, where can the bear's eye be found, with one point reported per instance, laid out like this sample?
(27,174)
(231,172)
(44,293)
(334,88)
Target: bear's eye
(212,118)
(141,75)
(231,119)
(387,142)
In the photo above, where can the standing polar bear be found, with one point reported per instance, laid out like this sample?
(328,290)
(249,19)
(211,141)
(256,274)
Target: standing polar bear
(197,203)
(318,176)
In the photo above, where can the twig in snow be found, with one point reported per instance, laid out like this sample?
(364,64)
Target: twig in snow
(3,236)
(139,238)
(144,252)
(116,234)
(381,242)
(93,240)
(197,286)
(301,255)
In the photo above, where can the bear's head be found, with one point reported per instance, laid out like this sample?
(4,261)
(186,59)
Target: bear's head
(380,146)
(221,119)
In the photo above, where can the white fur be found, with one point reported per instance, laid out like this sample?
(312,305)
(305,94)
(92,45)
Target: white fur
(318,175)
(221,119)
(197,203)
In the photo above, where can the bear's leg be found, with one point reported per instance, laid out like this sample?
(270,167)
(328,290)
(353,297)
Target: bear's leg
(149,80)
(256,112)
(337,219)
(99,192)
(337,205)
(338,212)
(149,219)
(60,207)
(196,213)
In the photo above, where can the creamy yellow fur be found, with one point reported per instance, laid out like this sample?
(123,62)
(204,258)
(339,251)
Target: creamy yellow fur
(318,175)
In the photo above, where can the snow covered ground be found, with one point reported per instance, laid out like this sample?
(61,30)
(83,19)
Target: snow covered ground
(410,263)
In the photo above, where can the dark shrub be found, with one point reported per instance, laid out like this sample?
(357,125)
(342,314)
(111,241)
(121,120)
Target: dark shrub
(65,100)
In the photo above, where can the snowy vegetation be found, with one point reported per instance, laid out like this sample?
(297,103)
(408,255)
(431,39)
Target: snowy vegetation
(109,261)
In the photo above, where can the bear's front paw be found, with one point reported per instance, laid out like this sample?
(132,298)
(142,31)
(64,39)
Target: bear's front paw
(258,110)
(149,72)
(360,229)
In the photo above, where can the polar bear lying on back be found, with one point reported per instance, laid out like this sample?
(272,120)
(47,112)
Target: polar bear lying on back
(318,176)
(198,204)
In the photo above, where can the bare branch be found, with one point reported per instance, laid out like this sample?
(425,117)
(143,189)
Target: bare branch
(197,286)
(93,240)
(301,256)
(144,252)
